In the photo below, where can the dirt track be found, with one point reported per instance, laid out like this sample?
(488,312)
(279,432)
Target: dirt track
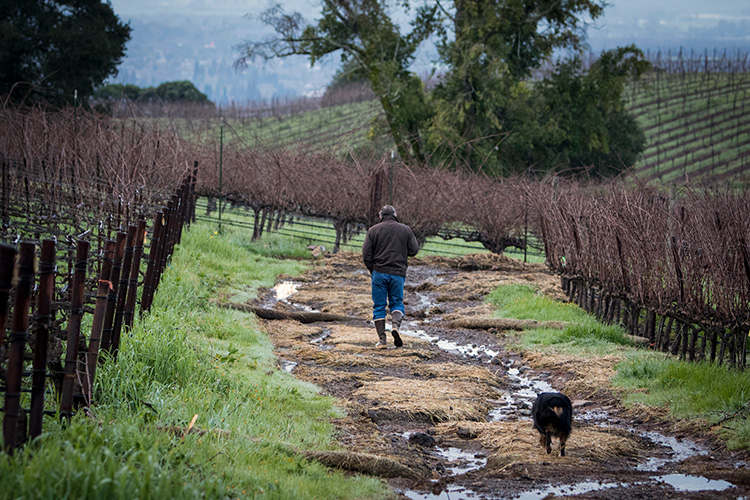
(448,413)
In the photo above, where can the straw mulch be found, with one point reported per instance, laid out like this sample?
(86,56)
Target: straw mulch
(368,358)
(479,374)
(288,333)
(510,443)
(356,339)
(439,399)
(331,297)
(591,376)
(324,376)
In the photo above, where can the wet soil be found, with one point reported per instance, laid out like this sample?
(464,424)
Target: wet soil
(454,404)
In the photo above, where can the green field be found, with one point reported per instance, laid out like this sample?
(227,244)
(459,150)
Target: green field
(696,127)
(337,128)
(695,124)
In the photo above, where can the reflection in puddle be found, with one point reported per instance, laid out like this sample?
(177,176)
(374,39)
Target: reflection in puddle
(452,492)
(568,489)
(463,462)
(682,482)
(288,365)
(424,302)
(285,289)
(466,460)
(681,450)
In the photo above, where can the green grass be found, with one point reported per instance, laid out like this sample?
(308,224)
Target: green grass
(342,127)
(320,232)
(189,357)
(689,390)
(584,334)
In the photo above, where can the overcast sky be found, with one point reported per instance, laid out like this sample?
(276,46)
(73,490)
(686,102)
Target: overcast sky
(220,25)
(667,9)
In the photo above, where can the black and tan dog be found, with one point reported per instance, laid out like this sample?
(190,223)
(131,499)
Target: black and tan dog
(553,417)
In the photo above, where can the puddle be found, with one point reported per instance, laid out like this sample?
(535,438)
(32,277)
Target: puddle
(465,461)
(593,416)
(461,462)
(319,341)
(285,289)
(681,450)
(288,365)
(528,389)
(568,489)
(682,482)
(452,492)
(521,396)
(454,347)
(425,303)
(525,389)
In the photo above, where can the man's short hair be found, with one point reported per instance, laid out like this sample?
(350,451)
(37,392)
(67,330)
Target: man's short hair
(388,210)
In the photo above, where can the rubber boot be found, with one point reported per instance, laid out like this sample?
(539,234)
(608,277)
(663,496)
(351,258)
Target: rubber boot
(396,317)
(380,328)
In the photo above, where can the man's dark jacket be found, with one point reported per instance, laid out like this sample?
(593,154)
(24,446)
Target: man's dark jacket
(387,246)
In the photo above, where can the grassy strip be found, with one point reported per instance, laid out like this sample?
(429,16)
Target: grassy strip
(716,394)
(185,359)
(583,334)
(713,393)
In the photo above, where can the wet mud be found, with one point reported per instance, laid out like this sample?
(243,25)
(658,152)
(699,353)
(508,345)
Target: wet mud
(453,406)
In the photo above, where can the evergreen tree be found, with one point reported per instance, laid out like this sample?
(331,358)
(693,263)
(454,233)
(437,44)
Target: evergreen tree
(52,50)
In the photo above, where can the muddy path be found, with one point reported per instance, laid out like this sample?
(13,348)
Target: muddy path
(453,405)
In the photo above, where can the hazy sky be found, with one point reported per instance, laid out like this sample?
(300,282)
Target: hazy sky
(644,22)
(702,11)
(220,25)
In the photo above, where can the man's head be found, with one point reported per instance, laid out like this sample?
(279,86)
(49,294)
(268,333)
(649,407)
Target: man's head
(387,210)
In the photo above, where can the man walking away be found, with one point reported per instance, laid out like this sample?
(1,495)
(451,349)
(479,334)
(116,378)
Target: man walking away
(386,249)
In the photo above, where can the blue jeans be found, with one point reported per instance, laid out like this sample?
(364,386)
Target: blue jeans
(387,290)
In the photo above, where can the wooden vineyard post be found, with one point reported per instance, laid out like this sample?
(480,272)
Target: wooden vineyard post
(650,326)
(122,289)
(6,197)
(667,334)
(114,279)
(675,348)
(659,333)
(18,336)
(97,324)
(191,192)
(376,191)
(173,205)
(150,282)
(693,342)
(135,266)
(7,265)
(74,330)
(725,336)
(168,223)
(43,321)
